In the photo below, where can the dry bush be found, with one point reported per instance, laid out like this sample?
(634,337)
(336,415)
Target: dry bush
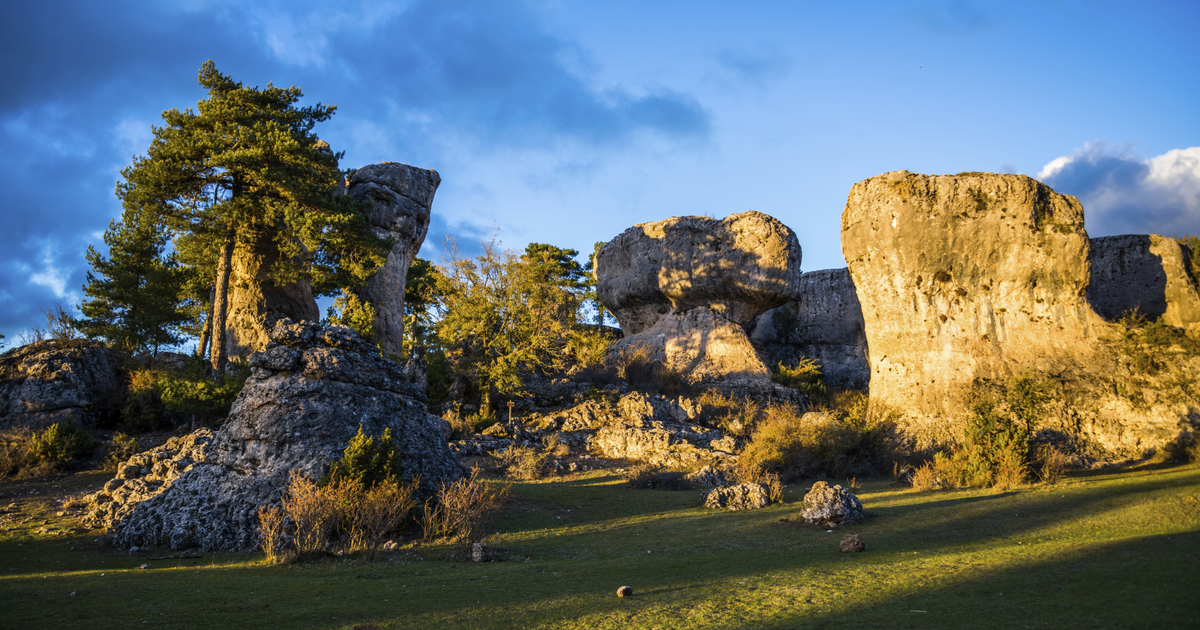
(379,511)
(555,445)
(1010,470)
(315,511)
(1052,462)
(271,528)
(924,478)
(15,456)
(798,445)
(653,477)
(636,366)
(462,511)
(747,472)
(523,462)
(732,415)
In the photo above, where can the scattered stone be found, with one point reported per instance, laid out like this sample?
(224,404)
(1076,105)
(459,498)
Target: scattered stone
(134,550)
(480,552)
(625,591)
(746,496)
(74,593)
(830,506)
(852,543)
(391,545)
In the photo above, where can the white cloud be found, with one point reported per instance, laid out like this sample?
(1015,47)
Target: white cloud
(1124,195)
(52,277)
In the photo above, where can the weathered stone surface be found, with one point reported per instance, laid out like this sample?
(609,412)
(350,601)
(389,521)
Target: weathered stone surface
(145,475)
(746,496)
(824,323)
(284,422)
(402,197)
(1146,272)
(256,301)
(50,381)
(655,430)
(826,506)
(852,543)
(738,267)
(969,281)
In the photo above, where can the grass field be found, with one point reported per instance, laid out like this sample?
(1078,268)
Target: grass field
(1102,549)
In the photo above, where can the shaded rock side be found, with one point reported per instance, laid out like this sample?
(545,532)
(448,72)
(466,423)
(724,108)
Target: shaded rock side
(307,395)
(401,196)
(826,506)
(824,323)
(969,281)
(51,381)
(256,301)
(738,267)
(1146,272)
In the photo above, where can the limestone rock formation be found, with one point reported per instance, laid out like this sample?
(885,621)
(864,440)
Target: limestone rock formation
(746,496)
(969,281)
(307,395)
(144,476)
(1146,272)
(50,381)
(685,289)
(256,301)
(828,506)
(824,323)
(402,197)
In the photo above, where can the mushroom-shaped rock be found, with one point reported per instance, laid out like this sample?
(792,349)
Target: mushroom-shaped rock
(685,289)
(402,197)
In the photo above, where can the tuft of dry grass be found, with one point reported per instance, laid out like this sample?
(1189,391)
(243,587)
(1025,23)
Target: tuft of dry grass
(523,462)
(924,478)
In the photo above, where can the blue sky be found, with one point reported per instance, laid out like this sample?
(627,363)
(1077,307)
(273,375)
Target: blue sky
(568,122)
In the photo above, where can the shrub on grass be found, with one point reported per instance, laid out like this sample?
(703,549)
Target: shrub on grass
(732,415)
(314,511)
(463,510)
(747,472)
(924,478)
(378,511)
(272,522)
(1051,463)
(800,445)
(994,452)
(16,458)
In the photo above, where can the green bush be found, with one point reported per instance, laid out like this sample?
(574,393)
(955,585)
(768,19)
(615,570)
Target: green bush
(732,415)
(61,443)
(994,451)
(798,445)
(161,399)
(122,448)
(367,460)
(804,377)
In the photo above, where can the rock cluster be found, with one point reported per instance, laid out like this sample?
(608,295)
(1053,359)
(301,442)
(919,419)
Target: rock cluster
(828,506)
(746,496)
(145,475)
(684,289)
(401,196)
(308,394)
(51,381)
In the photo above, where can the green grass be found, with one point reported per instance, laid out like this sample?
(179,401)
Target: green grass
(1111,549)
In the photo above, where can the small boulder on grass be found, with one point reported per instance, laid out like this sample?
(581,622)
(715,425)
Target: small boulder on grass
(625,591)
(746,496)
(829,506)
(852,543)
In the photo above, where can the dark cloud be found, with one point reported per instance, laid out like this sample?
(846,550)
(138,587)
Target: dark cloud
(1123,195)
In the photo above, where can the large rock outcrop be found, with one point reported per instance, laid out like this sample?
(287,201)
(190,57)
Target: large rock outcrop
(824,323)
(970,281)
(402,197)
(686,288)
(1146,272)
(308,394)
(257,302)
(50,381)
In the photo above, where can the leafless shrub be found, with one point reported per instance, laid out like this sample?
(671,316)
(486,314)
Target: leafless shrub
(379,511)
(523,462)
(271,522)
(1052,462)
(314,511)
(462,511)
(555,445)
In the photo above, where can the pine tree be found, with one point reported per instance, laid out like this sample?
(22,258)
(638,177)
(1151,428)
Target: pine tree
(247,168)
(133,296)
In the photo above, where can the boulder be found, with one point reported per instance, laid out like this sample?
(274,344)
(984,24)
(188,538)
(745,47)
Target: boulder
(1146,272)
(685,288)
(50,381)
(746,496)
(852,543)
(308,394)
(828,506)
(824,323)
(970,281)
(401,196)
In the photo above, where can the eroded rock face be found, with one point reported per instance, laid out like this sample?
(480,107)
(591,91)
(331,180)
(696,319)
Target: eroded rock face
(50,381)
(256,302)
(828,506)
(686,288)
(824,323)
(1146,272)
(307,395)
(970,281)
(402,197)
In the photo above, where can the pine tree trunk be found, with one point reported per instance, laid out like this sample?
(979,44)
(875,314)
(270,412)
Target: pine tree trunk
(221,303)
(206,334)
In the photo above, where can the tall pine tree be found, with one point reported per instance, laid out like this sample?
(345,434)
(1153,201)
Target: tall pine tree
(133,295)
(246,168)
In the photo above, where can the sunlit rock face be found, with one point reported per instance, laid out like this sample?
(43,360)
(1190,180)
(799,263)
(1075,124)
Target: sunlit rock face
(401,196)
(969,281)
(1146,272)
(53,381)
(685,289)
(256,301)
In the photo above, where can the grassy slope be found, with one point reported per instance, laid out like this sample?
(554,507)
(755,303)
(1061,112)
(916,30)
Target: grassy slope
(1113,550)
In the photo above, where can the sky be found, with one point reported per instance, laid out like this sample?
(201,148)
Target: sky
(567,122)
